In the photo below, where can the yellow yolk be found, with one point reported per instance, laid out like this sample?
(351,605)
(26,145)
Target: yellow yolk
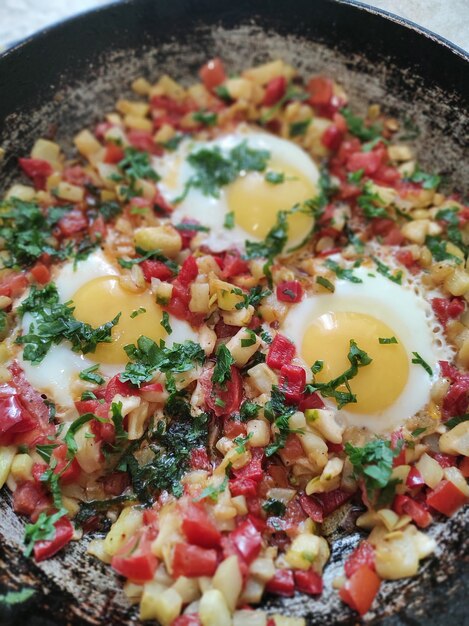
(101,299)
(376,385)
(256,202)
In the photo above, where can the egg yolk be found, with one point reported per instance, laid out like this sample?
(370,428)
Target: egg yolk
(376,385)
(101,299)
(255,202)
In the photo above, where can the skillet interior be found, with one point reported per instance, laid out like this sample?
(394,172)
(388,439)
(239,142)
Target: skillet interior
(67,77)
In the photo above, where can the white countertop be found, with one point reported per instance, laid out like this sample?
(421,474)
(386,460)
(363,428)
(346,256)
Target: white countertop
(21,18)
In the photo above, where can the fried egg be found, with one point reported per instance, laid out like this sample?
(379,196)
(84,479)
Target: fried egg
(95,288)
(391,388)
(251,199)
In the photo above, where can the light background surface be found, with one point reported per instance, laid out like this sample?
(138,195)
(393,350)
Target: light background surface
(21,18)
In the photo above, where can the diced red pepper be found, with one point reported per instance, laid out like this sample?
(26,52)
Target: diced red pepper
(446,498)
(282,584)
(116,387)
(281,352)
(198,527)
(63,535)
(405,505)
(233,428)
(252,470)
(360,589)
(331,500)
(98,229)
(290,291)
(445,460)
(313,508)
(136,560)
(292,450)
(364,554)
(69,471)
(233,265)
(113,153)
(414,478)
(189,271)
(243,487)
(447,308)
(311,401)
(222,401)
(212,74)
(292,382)
(308,581)
(247,540)
(114,484)
(38,171)
(41,273)
(155,269)
(274,91)
(332,137)
(190,561)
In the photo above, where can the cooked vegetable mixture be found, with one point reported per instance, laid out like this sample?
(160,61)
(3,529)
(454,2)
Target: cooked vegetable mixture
(238,310)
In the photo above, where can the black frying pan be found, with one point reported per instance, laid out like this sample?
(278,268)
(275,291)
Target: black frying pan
(65,78)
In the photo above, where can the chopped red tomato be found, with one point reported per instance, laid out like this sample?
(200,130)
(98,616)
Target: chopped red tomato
(405,505)
(190,619)
(98,229)
(38,171)
(200,460)
(30,498)
(447,308)
(291,451)
(252,470)
(414,478)
(445,460)
(282,584)
(233,428)
(13,285)
(321,90)
(331,500)
(72,223)
(360,589)
(281,352)
(313,508)
(222,401)
(367,161)
(405,257)
(308,581)
(143,140)
(41,273)
(14,418)
(247,540)
(233,265)
(446,498)
(397,439)
(69,471)
(212,74)
(114,484)
(63,535)
(311,401)
(198,527)
(243,487)
(188,271)
(290,291)
(292,382)
(113,154)
(332,138)
(116,387)
(364,554)
(155,269)
(136,560)
(274,91)
(193,561)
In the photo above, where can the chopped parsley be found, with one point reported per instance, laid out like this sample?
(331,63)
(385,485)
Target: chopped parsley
(134,166)
(358,358)
(438,249)
(458,419)
(241,442)
(278,412)
(274,242)
(250,340)
(418,431)
(229,222)
(74,428)
(109,210)
(118,421)
(370,203)
(292,93)
(206,118)
(357,126)
(153,255)
(385,271)
(429,181)
(16,597)
(324,282)
(91,375)
(137,312)
(340,272)
(417,360)
(165,323)
(249,410)
(274,507)
(254,297)
(387,340)
(42,530)
(147,357)
(45,451)
(297,129)
(222,370)
(275,178)
(374,463)
(355,177)
(189,226)
(54,322)
(212,492)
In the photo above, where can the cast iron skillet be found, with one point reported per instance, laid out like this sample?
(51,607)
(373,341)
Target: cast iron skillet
(64,78)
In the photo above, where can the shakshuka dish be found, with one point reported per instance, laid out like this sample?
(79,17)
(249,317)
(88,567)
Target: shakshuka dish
(236,310)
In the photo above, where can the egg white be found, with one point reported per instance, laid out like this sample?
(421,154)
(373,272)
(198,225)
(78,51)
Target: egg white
(406,312)
(175,171)
(59,369)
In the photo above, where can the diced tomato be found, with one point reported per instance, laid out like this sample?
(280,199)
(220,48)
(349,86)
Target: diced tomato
(456,400)
(405,505)
(312,507)
(76,175)
(397,438)
(155,269)
(222,401)
(292,382)
(364,554)
(136,560)
(394,237)
(292,450)
(199,459)
(193,561)
(367,161)
(98,229)
(360,589)
(30,498)
(274,91)
(290,291)
(308,582)
(114,484)
(212,74)
(252,470)
(186,234)
(247,540)
(321,90)
(331,500)
(143,140)
(233,428)
(233,265)
(13,285)
(101,409)
(116,387)
(188,271)
(464,467)
(447,308)
(69,470)
(190,619)
(311,401)
(445,460)
(281,352)
(101,129)
(414,478)
(41,273)
(113,153)
(160,204)
(405,257)
(446,498)
(37,169)
(198,527)
(63,535)
(282,584)
(332,137)
(179,302)
(72,223)
(14,418)
(243,487)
